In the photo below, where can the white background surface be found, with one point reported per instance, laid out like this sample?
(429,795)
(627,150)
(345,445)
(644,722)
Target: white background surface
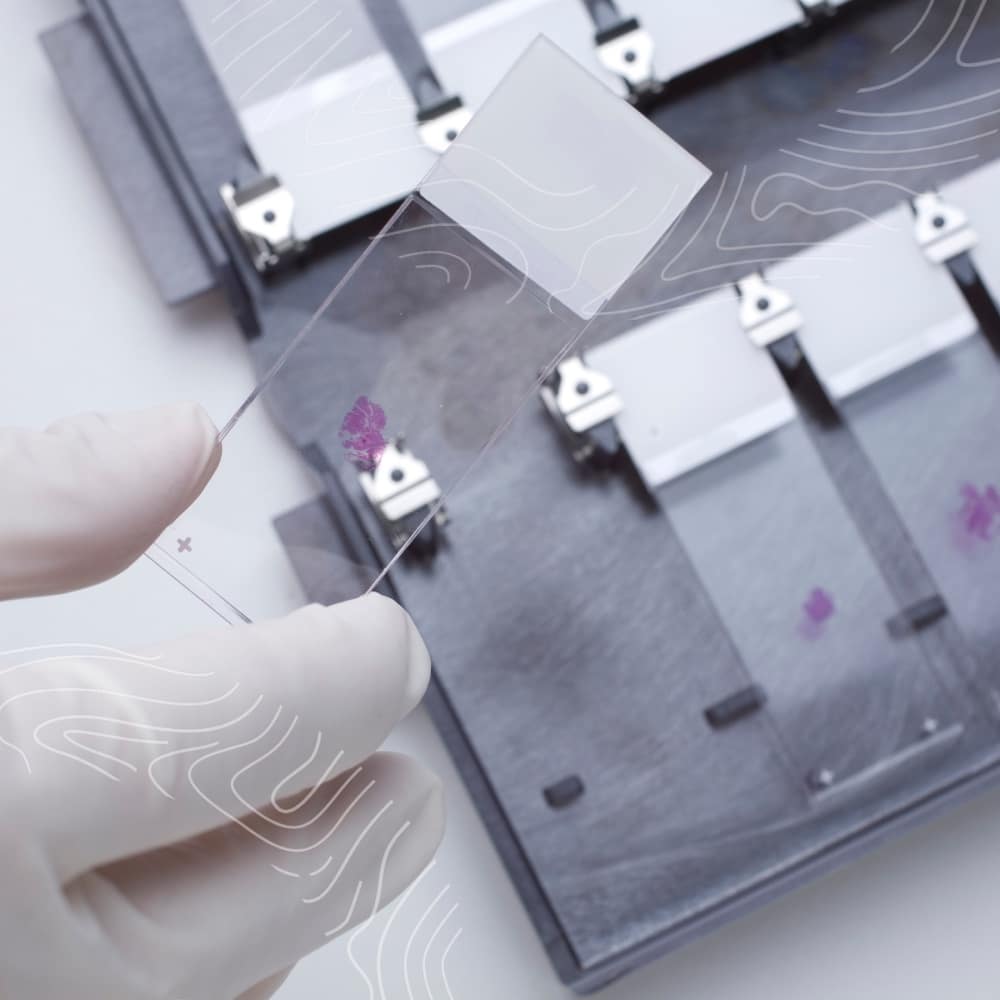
(81,327)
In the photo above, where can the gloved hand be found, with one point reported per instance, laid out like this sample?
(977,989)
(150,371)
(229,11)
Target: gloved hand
(186,822)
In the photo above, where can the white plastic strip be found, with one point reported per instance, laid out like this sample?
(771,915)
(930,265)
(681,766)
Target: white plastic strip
(693,387)
(880,308)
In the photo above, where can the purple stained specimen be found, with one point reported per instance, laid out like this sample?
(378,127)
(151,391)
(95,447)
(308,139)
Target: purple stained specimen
(980,509)
(818,606)
(361,433)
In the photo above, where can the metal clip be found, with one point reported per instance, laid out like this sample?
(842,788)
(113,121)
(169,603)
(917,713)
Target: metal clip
(942,229)
(439,125)
(627,51)
(817,8)
(402,492)
(262,213)
(766,313)
(584,403)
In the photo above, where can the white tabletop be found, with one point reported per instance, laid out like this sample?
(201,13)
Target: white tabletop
(81,327)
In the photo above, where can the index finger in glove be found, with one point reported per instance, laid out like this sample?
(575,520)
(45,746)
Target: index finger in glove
(83,499)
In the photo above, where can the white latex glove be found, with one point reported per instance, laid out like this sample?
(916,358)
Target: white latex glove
(186,822)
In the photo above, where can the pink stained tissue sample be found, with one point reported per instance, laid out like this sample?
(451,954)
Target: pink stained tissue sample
(361,434)
(818,608)
(978,514)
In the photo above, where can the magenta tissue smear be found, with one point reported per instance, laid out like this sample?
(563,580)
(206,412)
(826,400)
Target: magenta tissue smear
(980,509)
(361,434)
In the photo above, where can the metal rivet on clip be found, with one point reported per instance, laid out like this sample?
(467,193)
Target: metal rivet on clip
(441,124)
(584,403)
(626,49)
(262,214)
(766,313)
(941,229)
(402,492)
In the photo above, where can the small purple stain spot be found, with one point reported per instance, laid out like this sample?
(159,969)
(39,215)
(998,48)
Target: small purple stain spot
(183,544)
(979,512)
(361,434)
(818,608)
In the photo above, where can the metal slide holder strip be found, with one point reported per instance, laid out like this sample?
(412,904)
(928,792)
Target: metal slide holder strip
(919,390)
(772,321)
(689,36)
(441,116)
(856,331)
(487,275)
(715,434)
(333,112)
(975,194)
(692,388)
(943,232)
(624,47)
